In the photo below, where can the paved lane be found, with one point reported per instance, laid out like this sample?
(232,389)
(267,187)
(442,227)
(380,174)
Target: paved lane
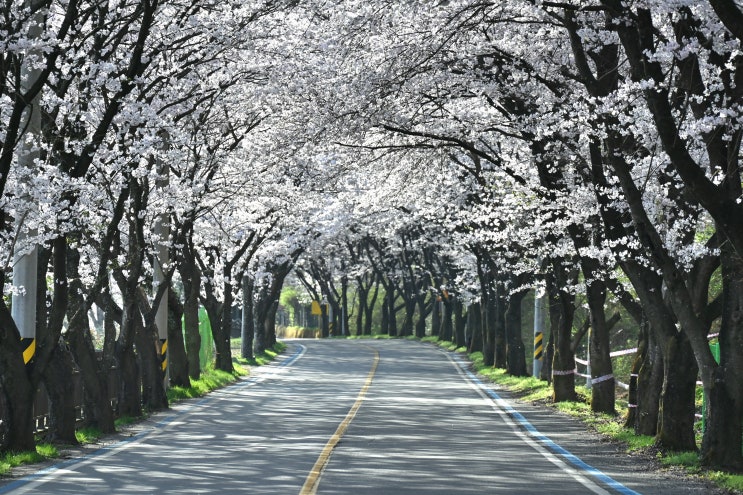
(424,430)
(257,438)
(422,427)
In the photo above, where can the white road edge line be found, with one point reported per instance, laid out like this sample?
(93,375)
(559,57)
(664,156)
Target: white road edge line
(540,442)
(29,483)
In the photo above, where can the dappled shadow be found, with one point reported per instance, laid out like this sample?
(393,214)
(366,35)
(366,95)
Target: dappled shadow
(243,439)
(421,430)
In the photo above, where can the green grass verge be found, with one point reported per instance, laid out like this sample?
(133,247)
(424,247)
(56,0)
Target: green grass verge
(88,434)
(690,462)
(10,460)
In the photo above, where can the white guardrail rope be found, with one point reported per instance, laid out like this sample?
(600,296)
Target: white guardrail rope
(600,379)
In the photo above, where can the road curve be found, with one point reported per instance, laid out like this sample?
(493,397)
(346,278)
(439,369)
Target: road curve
(354,417)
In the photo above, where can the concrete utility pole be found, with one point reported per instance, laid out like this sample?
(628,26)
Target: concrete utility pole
(539,322)
(25,252)
(161,260)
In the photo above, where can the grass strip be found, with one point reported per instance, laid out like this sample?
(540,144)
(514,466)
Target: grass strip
(213,379)
(43,452)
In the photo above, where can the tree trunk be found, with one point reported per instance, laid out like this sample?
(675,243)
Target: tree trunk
(420,324)
(721,445)
(602,374)
(343,330)
(191,277)
(18,398)
(407,324)
(500,340)
(270,325)
(392,325)
(130,379)
(646,382)
(222,332)
(94,373)
(489,311)
(516,352)
(60,388)
(177,359)
(474,327)
(436,318)
(459,323)
(447,329)
(677,404)
(153,378)
(385,323)
(562,309)
(369,310)
(247,330)
(325,322)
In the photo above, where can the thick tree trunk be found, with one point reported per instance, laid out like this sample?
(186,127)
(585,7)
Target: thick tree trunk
(191,277)
(130,378)
(18,399)
(498,319)
(516,352)
(325,322)
(602,374)
(247,331)
(407,324)
(677,404)
(447,330)
(488,330)
(153,378)
(420,324)
(222,333)
(562,309)
(369,311)
(60,388)
(270,325)
(721,445)
(343,330)
(646,383)
(177,359)
(460,320)
(363,295)
(94,373)
(130,384)
(392,325)
(385,323)
(436,318)
(474,328)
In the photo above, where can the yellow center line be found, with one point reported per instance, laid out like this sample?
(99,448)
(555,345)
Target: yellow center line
(312,481)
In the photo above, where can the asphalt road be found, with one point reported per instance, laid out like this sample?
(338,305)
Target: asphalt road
(356,417)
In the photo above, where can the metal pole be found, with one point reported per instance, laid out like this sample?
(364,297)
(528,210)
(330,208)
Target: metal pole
(539,322)
(162,259)
(25,252)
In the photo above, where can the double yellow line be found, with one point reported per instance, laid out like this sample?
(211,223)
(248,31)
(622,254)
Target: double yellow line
(313,479)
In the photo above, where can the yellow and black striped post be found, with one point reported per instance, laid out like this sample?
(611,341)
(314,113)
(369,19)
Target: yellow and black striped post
(29,349)
(538,347)
(164,354)
(538,352)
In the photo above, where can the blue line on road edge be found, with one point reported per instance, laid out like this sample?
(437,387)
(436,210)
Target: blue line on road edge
(543,439)
(40,474)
